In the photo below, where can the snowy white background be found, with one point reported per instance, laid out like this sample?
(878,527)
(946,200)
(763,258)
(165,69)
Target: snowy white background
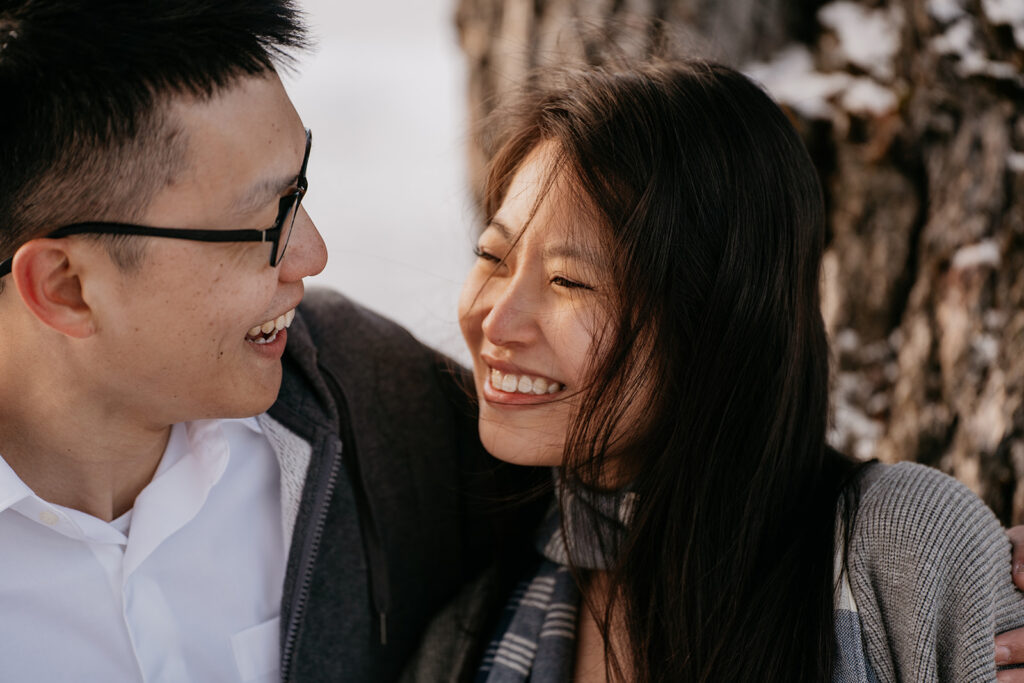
(384,95)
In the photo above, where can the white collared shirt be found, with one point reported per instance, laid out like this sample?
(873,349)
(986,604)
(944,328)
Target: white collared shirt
(184,587)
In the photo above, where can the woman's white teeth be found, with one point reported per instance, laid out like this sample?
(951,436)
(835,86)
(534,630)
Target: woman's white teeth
(272,327)
(523,384)
(509,383)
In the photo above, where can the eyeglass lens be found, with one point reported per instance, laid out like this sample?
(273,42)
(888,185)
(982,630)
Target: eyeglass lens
(288,220)
(287,224)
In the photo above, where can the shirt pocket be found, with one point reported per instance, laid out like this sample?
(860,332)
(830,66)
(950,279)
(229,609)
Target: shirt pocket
(257,652)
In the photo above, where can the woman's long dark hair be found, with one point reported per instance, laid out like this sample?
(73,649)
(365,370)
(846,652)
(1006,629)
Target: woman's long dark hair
(713,220)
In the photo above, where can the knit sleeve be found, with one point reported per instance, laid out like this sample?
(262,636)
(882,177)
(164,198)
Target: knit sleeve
(930,572)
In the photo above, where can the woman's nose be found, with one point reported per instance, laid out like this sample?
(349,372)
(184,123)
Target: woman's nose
(512,315)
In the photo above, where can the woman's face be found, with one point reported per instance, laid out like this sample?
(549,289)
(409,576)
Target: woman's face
(531,311)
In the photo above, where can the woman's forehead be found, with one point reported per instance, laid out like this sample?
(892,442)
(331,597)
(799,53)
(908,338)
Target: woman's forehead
(545,206)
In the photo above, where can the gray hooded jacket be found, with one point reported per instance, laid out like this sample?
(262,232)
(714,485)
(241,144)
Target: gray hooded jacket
(388,499)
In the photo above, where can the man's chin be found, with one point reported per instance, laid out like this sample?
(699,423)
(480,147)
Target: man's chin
(257,402)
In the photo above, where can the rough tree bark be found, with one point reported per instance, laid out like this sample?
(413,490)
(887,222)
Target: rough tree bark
(914,114)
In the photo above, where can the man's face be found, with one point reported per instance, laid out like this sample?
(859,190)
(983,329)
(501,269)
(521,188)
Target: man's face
(172,340)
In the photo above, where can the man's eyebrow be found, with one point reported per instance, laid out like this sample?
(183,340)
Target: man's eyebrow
(263,192)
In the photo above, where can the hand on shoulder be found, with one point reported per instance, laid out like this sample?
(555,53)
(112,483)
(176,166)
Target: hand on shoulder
(1010,645)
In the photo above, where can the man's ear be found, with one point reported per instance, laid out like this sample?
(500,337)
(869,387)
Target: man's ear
(46,279)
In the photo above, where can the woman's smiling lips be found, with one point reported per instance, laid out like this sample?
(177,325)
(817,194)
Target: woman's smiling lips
(508,384)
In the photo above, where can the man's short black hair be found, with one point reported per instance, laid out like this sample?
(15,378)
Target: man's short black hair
(83,134)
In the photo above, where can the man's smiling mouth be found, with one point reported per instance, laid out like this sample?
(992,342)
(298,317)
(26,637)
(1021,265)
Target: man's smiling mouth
(523,384)
(268,331)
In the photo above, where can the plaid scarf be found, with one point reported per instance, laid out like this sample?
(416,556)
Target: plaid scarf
(536,638)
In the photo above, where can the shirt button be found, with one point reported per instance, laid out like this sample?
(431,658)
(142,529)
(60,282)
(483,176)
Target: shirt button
(48,518)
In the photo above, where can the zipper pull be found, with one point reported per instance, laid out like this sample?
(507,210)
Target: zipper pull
(383,628)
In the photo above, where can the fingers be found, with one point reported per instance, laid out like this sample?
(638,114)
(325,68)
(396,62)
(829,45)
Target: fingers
(1010,645)
(1011,676)
(1016,536)
(1010,648)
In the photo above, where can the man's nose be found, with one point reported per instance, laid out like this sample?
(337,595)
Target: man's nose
(306,254)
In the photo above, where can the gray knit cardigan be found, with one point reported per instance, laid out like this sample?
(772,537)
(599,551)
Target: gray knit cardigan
(927,584)
(926,587)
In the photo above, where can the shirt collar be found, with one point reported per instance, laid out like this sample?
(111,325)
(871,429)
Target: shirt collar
(251,422)
(12,488)
(16,495)
(203,438)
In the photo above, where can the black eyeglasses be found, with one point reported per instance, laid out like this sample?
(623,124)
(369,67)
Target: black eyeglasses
(278,235)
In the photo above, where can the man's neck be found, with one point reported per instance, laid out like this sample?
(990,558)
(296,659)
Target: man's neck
(100,479)
(73,452)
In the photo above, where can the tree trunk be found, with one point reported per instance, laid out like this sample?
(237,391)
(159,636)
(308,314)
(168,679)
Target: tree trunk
(913,113)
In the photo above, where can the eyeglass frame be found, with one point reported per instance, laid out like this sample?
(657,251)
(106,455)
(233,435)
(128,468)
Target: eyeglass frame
(288,204)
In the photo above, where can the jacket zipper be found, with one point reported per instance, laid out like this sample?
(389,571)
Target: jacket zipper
(323,499)
(376,558)
(376,563)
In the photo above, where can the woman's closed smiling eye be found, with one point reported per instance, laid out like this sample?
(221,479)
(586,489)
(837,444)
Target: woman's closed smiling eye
(482,253)
(569,284)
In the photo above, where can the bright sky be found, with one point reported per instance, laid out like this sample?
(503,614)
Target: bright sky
(384,96)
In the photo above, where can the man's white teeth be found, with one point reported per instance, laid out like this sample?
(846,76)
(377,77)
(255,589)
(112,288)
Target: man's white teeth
(523,384)
(271,327)
(266,340)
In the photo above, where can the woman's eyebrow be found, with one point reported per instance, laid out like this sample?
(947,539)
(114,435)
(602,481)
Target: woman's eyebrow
(565,250)
(502,229)
(568,250)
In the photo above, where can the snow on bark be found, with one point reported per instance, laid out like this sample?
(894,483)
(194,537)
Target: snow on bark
(912,112)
